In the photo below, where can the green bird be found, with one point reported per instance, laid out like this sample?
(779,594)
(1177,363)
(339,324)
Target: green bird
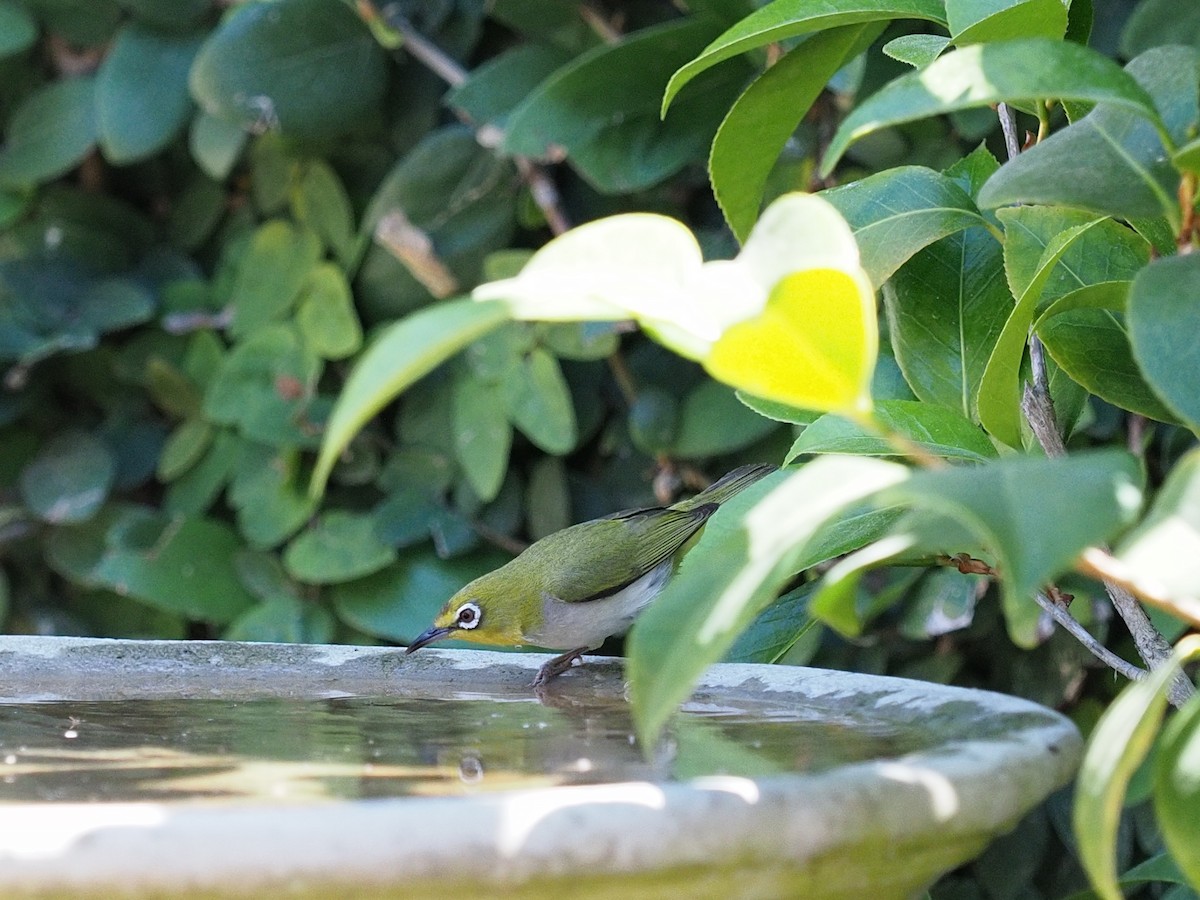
(574,588)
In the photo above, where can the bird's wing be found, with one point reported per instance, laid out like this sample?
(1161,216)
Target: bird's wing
(631,544)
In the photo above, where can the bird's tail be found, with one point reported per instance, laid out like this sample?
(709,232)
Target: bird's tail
(726,486)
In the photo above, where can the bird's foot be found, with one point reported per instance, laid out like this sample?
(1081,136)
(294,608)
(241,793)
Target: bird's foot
(557,666)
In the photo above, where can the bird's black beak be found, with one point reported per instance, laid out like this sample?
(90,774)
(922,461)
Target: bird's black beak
(428,637)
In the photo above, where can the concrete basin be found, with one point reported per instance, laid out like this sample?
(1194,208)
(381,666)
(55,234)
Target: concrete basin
(214,769)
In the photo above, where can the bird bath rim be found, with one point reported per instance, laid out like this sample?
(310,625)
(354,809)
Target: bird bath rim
(902,821)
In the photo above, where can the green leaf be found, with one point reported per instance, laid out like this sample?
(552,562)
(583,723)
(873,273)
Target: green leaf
(50,133)
(711,422)
(271,273)
(918,50)
(308,67)
(539,402)
(1177,788)
(184,448)
(943,602)
(325,314)
(216,145)
(946,307)
(195,490)
(268,495)
(547,498)
(776,411)
(785,19)
(583,341)
(283,619)
(482,435)
(653,420)
(1112,160)
(977,21)
(265,387)
(1156,22)
(196,212)
(814,344)
(844,606)
(1160,554)
(1092,346)
(1163,318)
(762,119)
(399,602)
(747,551)
(181,565)
(79,24)
(1117,746)
(401,354)
(460,195)
(938,430)
(602,109)
(775,629)
(319,201)
(142,97)
(18,30)
(1021,71)
(69,479)
(1187,157)
(338,546)
(1001,503)
(496,87)
(1048,252)
(896,213)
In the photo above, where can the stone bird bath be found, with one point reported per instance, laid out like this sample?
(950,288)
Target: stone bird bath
(212,769)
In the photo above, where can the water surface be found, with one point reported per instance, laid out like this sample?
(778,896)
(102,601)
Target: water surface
(310,750)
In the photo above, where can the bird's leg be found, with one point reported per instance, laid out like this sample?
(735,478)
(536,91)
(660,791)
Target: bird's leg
(557,666)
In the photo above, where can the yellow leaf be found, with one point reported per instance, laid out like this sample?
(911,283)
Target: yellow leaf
(813,345)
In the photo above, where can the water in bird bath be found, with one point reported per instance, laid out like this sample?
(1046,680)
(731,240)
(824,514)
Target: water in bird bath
(305,750)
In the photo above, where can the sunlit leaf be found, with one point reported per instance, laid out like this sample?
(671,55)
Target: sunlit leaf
(1160,554)
(785,19)
(1118,744)
(1177,788)
(999,504)
(986,74)
(813,345)
(896,213)
(754,543)
(762,119)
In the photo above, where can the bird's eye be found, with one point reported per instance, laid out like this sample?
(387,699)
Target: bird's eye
(468,616)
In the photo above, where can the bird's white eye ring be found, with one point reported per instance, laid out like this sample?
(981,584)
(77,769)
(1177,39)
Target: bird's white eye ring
(468,616)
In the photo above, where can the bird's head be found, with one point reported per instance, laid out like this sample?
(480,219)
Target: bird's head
(483,612)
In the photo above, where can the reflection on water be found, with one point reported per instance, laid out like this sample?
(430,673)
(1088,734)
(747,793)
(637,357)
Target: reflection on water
(313,750)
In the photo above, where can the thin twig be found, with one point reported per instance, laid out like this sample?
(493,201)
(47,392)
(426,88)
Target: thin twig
(424,51)
(1072,625)
(1151,645)
(598,24)
(968,565)
(1008,124)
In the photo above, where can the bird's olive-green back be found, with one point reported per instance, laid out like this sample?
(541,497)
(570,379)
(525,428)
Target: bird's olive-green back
(588,561)
(597,558)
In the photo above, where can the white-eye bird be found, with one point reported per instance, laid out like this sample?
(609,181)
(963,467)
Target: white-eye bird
(576,587)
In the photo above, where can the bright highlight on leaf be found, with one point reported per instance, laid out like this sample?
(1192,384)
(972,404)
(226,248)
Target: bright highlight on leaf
(814,345)
(791,319)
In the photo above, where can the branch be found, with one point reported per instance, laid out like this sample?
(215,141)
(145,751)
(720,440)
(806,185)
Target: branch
(1058,612)
(1008,124)
(1072,625)
(1151,645)
(441,64)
